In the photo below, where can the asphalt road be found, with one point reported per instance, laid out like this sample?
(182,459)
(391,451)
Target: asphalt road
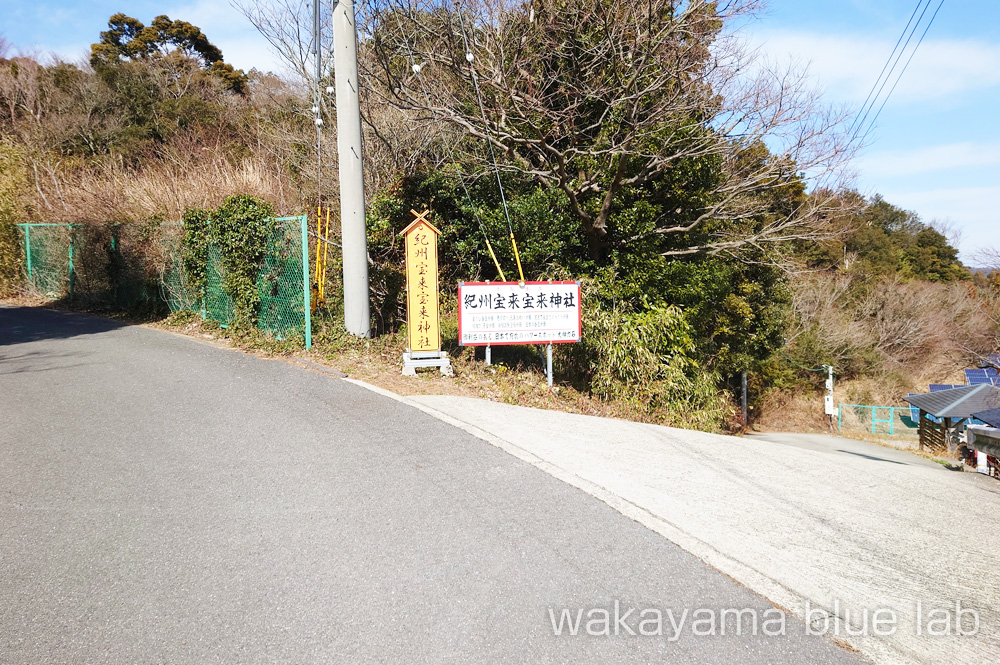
(166,501)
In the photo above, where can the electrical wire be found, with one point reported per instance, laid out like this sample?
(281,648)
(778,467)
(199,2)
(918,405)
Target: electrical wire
(888,60)
(475,211)
(470,58)
(903,71)
(893,68)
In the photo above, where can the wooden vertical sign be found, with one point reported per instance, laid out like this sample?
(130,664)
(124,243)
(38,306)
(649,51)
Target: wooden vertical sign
(422,316)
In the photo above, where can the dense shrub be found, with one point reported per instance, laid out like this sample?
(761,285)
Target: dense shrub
(241,229)
(13,183)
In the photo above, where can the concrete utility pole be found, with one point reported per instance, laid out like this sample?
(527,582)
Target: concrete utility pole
(317,106)
(357,318)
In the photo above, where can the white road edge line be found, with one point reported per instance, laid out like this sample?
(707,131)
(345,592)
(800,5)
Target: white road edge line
(872,648)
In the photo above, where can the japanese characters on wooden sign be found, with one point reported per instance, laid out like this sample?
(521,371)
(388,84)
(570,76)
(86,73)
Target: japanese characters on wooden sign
(496,313)
(424,335)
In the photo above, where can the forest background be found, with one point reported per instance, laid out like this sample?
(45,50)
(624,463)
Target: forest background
(702,196)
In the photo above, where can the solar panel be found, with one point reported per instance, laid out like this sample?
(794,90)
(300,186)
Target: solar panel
(938,387)
(993,376)
(994,358)
(914,411)
(978,377)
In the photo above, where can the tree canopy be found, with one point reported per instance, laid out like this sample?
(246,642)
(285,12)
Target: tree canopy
(618,104)
(166,42)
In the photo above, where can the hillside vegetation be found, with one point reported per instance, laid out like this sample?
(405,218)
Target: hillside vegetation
(676,194)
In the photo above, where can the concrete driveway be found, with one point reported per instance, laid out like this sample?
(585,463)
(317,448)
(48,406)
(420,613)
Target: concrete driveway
(835,530)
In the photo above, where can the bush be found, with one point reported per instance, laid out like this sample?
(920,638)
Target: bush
(242,229)
(647,361)
(197,224)
(13,183)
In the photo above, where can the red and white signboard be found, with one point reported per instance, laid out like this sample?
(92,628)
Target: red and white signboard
(496,313)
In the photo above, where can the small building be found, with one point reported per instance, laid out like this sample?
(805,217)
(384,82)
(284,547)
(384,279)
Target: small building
(945,414)
(984,442)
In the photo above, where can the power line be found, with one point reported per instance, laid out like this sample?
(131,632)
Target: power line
(475,212)
(470,58)
(903,71)
(875,85)
(893,68)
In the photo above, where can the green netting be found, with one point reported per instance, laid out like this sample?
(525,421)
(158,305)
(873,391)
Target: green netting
(136,256)
(218,304)
(140,266)
(175,287)
(281,283)
(880,420)
(47,258)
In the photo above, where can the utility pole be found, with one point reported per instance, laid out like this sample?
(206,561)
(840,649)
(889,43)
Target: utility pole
(357,318)
(317,46)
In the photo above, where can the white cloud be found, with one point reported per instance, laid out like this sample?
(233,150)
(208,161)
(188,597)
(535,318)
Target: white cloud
(241,44)
(928,159)
(972,210)
(846,66)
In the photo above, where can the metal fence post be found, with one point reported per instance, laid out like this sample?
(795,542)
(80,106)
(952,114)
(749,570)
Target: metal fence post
(72,273)
(873,420)
(304,222)
(840,417)
(27,247)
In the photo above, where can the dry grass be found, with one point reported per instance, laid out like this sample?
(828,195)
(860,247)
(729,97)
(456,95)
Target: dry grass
(162,190)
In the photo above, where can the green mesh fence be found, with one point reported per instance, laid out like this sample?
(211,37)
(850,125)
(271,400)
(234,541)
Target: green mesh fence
(175,287)
(893,421)
(140,266)
(218,304)
(48,258)
(283,284)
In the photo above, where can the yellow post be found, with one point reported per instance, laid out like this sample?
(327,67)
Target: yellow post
(422,323)
(317,293)
(517,256)
(326,246)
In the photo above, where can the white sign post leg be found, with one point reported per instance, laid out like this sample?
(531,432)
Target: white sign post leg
(548,363)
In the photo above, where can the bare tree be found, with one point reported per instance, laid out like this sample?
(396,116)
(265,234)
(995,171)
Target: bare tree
(287,26)
(987,258)
(600,98)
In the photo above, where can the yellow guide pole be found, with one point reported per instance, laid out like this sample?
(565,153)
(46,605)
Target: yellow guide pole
(326,247)
(319,233)
(517,257)
(495,262)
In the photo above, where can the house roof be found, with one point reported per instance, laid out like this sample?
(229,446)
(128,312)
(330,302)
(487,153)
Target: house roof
(960,402)
(991,417)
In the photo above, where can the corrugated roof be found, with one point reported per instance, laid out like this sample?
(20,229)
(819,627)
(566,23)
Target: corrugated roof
(958,402)
(991,417)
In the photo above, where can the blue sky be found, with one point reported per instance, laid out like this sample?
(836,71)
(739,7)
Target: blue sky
(935,150)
